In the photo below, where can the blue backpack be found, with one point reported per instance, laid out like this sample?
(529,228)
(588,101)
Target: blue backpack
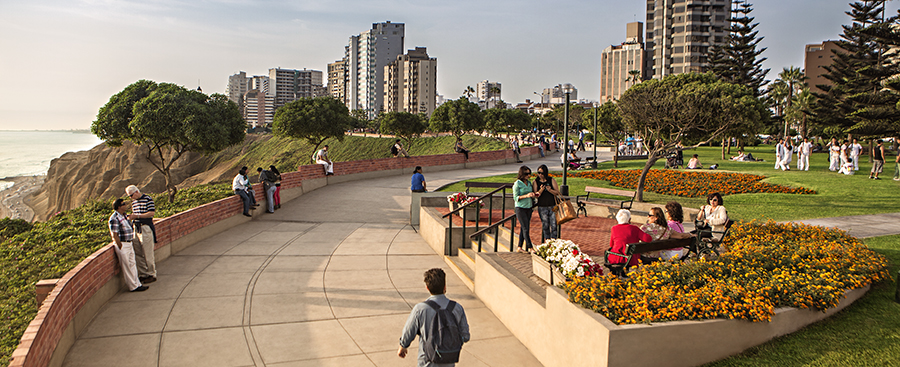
(442,340)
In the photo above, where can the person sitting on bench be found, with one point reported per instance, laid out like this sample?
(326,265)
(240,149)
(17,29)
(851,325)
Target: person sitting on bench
(658,228)
(622,234)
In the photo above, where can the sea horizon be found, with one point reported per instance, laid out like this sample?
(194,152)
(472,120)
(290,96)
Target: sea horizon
(29,152)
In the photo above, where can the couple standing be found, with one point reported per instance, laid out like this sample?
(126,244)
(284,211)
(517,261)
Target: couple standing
(542,193)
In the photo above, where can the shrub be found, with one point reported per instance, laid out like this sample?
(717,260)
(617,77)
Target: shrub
(770,265)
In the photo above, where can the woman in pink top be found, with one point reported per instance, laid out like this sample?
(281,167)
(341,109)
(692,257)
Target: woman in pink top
(622,234)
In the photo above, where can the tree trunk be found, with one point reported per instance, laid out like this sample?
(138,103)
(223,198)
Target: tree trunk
(169,186)
(724,141)
(729,147)
(615,154)
(639,190)
(871,149)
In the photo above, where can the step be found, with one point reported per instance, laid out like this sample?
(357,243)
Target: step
(487,243)
(460,266)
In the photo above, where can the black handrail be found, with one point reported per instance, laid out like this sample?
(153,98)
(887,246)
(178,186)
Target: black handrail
(448,245)
(496,237)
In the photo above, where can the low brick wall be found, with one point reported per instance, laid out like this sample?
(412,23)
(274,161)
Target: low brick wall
(81,292)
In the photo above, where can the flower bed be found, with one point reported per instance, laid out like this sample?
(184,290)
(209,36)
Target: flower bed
(691,183)
(568,258)
(770,265)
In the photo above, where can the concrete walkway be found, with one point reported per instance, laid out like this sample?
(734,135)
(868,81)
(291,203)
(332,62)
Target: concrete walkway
(328,280)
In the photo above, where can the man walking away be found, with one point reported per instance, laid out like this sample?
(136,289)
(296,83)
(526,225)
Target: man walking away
(438,347)
(122,234)
(142,211)
(321,157)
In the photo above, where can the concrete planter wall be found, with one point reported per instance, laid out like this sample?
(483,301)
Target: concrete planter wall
(546,271)
(561,333)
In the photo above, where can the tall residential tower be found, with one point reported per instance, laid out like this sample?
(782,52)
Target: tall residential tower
(680,33)
(410,83)
(622,66)
(365,57)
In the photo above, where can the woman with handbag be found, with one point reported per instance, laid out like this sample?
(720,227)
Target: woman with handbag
(524,197)
(547,190)
(277,195)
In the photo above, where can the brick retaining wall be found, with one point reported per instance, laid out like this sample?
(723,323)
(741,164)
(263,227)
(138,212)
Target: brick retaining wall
(76,288)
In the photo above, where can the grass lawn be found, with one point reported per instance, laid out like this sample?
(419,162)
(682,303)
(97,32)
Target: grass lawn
(865,334)
(838,195)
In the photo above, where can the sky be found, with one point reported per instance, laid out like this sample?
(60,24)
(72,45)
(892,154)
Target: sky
(61,60)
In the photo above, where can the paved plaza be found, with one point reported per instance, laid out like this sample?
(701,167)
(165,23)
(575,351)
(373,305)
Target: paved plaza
(328,280)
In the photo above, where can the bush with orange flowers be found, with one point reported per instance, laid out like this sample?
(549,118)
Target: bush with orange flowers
(690,183)
(770,265)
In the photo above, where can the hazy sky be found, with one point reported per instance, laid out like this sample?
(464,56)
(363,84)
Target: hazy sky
(61,60)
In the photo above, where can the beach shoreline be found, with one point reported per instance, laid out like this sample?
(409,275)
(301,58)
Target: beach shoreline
(13,199)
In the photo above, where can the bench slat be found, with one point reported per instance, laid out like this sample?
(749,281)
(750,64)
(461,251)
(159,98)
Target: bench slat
(602,190)
(644,247)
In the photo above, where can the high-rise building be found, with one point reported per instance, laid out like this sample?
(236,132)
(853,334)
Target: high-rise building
(816,59)
(365,57)
(410,83)
(488,93)
(238,85)
(622,66)
(680,33)
(288,85)
(337,75)
(259,108)
(557,94)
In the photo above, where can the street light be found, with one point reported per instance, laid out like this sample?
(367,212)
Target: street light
(564,189)
(596,107)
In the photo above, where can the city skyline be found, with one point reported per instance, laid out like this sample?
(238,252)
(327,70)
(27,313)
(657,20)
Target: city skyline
(63,60)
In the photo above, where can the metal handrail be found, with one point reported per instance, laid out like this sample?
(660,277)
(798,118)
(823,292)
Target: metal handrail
(448,246)
(496,237)
(504,187)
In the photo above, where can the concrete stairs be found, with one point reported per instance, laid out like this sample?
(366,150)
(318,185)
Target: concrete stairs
(464,263)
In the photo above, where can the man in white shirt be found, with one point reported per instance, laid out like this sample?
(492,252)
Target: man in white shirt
(779,155)
(803,155)
(241,187)
(855,150)
(321,157)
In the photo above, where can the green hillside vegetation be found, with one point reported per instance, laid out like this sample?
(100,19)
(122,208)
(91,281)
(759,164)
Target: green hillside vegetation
(288,154)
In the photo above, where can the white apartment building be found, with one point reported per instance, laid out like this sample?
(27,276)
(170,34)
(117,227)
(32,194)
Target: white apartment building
(557,95)
(488,93)
(365,58)
(622,66)
(288,85)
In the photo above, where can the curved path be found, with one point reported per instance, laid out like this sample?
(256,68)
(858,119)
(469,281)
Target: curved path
(328,280)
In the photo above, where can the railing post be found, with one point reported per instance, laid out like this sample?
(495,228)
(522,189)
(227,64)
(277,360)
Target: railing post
(448,245)
(512,235)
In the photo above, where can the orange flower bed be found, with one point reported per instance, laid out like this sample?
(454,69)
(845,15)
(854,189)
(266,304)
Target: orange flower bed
(770,265)
(690,183)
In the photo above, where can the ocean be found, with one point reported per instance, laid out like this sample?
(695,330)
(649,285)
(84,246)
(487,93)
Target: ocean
(28,153)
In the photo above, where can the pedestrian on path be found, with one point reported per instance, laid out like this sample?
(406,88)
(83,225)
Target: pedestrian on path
(417,184)
(122,234)
(547,190)
(422,318)
(524,195)
(142,211)
(878,158)
(268,181)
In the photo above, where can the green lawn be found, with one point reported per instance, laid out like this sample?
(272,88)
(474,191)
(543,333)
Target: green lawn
(867,333)
(838,195)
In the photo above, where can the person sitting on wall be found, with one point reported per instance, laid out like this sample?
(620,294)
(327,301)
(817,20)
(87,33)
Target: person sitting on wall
(397,149)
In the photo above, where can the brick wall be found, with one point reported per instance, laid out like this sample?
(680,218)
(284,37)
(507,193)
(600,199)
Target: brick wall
(81,283)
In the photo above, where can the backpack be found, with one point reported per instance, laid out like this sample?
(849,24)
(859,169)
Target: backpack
(442,341)
(394,150)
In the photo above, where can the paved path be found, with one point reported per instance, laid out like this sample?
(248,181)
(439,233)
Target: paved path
(328,280)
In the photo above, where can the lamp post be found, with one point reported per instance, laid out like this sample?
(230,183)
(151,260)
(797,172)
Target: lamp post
(596,107)
(564,189)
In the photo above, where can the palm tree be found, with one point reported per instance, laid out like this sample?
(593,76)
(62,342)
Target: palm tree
(796,80)
(801,108)
(468,92)
(634,76)
(778,93)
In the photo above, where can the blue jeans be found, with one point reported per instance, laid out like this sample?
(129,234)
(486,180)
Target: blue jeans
(523,216)
(548,222)
(245,198)
(270,199)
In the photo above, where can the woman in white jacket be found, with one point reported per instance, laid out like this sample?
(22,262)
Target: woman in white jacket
(714,214)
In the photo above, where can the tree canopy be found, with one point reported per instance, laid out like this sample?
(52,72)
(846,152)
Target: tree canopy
(314,120)
(170,120)
(457,117)
(738,61)
(687,108)
(501,120)
(404,125)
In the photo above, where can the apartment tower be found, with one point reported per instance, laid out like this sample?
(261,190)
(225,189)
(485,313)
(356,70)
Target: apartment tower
(337,75)
(410,83)
(817,57)
(622,66)
(288,85)
(366,56)
(680,33)
(488,92)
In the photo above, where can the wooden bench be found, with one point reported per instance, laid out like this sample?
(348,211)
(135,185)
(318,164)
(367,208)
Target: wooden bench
(638,248)
(490,185)
(585,199)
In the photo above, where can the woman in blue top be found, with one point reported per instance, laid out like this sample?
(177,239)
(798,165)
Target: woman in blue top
(417,183)
(524,195)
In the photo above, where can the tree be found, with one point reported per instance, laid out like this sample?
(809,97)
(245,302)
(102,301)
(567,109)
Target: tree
(405,125)
(800,109)
(795,81)
(170,120)
(691,108)
(609,123)
(738,61)
(457,117)
(313,119)
(504,120)
(634,77)
(856,74)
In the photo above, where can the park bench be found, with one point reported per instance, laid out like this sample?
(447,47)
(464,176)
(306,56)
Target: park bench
(490,185)
(635,249)
(585,199)
(709,240)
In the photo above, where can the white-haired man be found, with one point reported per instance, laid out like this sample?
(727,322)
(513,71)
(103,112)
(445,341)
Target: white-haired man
(142,211)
